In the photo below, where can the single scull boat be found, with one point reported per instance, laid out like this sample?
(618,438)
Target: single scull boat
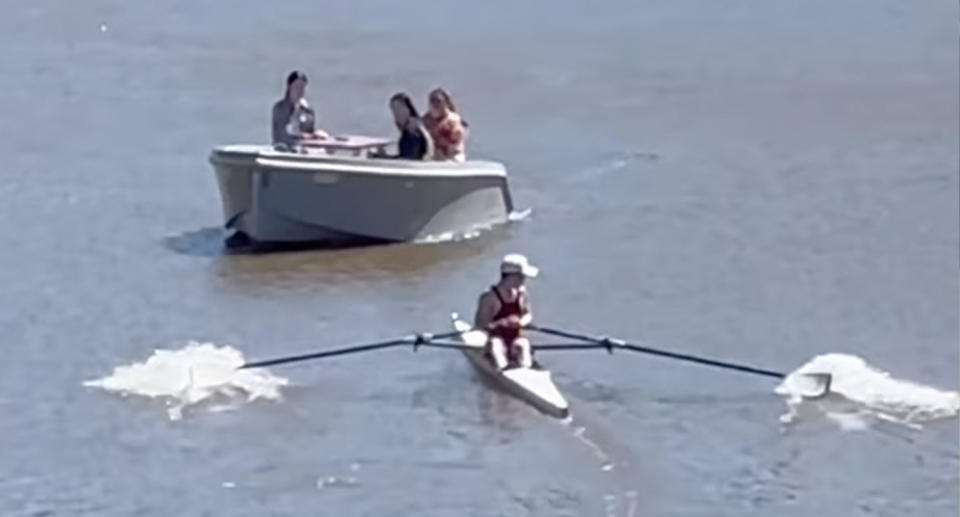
(532,385)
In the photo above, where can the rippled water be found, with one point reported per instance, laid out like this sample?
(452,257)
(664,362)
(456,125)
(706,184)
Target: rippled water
(761,182)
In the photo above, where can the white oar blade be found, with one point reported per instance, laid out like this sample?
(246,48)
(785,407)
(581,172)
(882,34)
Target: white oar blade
(805,385)
(814,385)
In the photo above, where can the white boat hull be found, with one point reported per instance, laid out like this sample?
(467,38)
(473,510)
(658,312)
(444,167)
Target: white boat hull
(533,385)
(278,197)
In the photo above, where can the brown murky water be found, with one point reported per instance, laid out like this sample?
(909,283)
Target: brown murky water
(756,181)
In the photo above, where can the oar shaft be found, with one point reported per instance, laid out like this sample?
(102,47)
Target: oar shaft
(328,353)
(703,360)
(568,346)
(615,343)
(417,340)
(445,345)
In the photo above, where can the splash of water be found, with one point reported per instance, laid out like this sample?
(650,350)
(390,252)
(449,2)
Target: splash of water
(448,237)
(872,392)
(519,215)
(193,374)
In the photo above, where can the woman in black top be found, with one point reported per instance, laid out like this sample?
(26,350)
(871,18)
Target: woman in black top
(415,142)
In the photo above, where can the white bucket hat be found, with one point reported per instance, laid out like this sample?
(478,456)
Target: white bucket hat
(516,264)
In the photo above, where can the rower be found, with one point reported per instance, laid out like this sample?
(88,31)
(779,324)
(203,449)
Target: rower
(504,310)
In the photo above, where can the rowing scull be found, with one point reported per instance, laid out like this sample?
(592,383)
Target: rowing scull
(532,385)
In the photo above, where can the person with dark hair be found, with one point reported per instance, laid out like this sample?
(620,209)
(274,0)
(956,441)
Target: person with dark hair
(293,119)
(415,142)
(446,127)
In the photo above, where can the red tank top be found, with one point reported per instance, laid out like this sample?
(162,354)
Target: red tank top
(507,334)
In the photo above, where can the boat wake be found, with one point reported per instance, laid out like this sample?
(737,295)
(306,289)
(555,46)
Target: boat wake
(474,232)
(861,393)
(199,373)
(613,163)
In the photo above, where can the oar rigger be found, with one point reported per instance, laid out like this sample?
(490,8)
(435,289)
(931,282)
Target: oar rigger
(610,344)
(424,338)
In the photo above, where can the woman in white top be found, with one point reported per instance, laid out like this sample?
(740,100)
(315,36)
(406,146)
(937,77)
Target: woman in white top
(446,128)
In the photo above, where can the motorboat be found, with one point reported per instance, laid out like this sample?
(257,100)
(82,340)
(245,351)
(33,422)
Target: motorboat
(272,196)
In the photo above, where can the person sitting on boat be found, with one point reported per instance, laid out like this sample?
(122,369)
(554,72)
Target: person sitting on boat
(415,142)
(446,127)
(293,120)
(504,310)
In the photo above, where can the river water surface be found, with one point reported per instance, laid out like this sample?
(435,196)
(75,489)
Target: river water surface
(765,182)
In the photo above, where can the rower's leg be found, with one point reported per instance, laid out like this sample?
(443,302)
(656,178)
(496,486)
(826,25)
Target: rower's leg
(499,352)
(526,357)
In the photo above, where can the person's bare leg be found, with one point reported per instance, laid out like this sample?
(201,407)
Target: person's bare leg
(526,353)
(499,353)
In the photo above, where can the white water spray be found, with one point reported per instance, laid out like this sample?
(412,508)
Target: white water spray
(197,373)
(873,392)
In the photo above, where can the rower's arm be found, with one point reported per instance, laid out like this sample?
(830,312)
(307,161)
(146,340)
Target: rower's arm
(527,317)
(485,312)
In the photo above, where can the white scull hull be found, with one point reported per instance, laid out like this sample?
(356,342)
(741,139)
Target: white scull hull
(532,385)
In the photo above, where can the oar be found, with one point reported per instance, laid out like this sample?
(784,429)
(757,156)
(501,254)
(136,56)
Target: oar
(417,340)
(821,381)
